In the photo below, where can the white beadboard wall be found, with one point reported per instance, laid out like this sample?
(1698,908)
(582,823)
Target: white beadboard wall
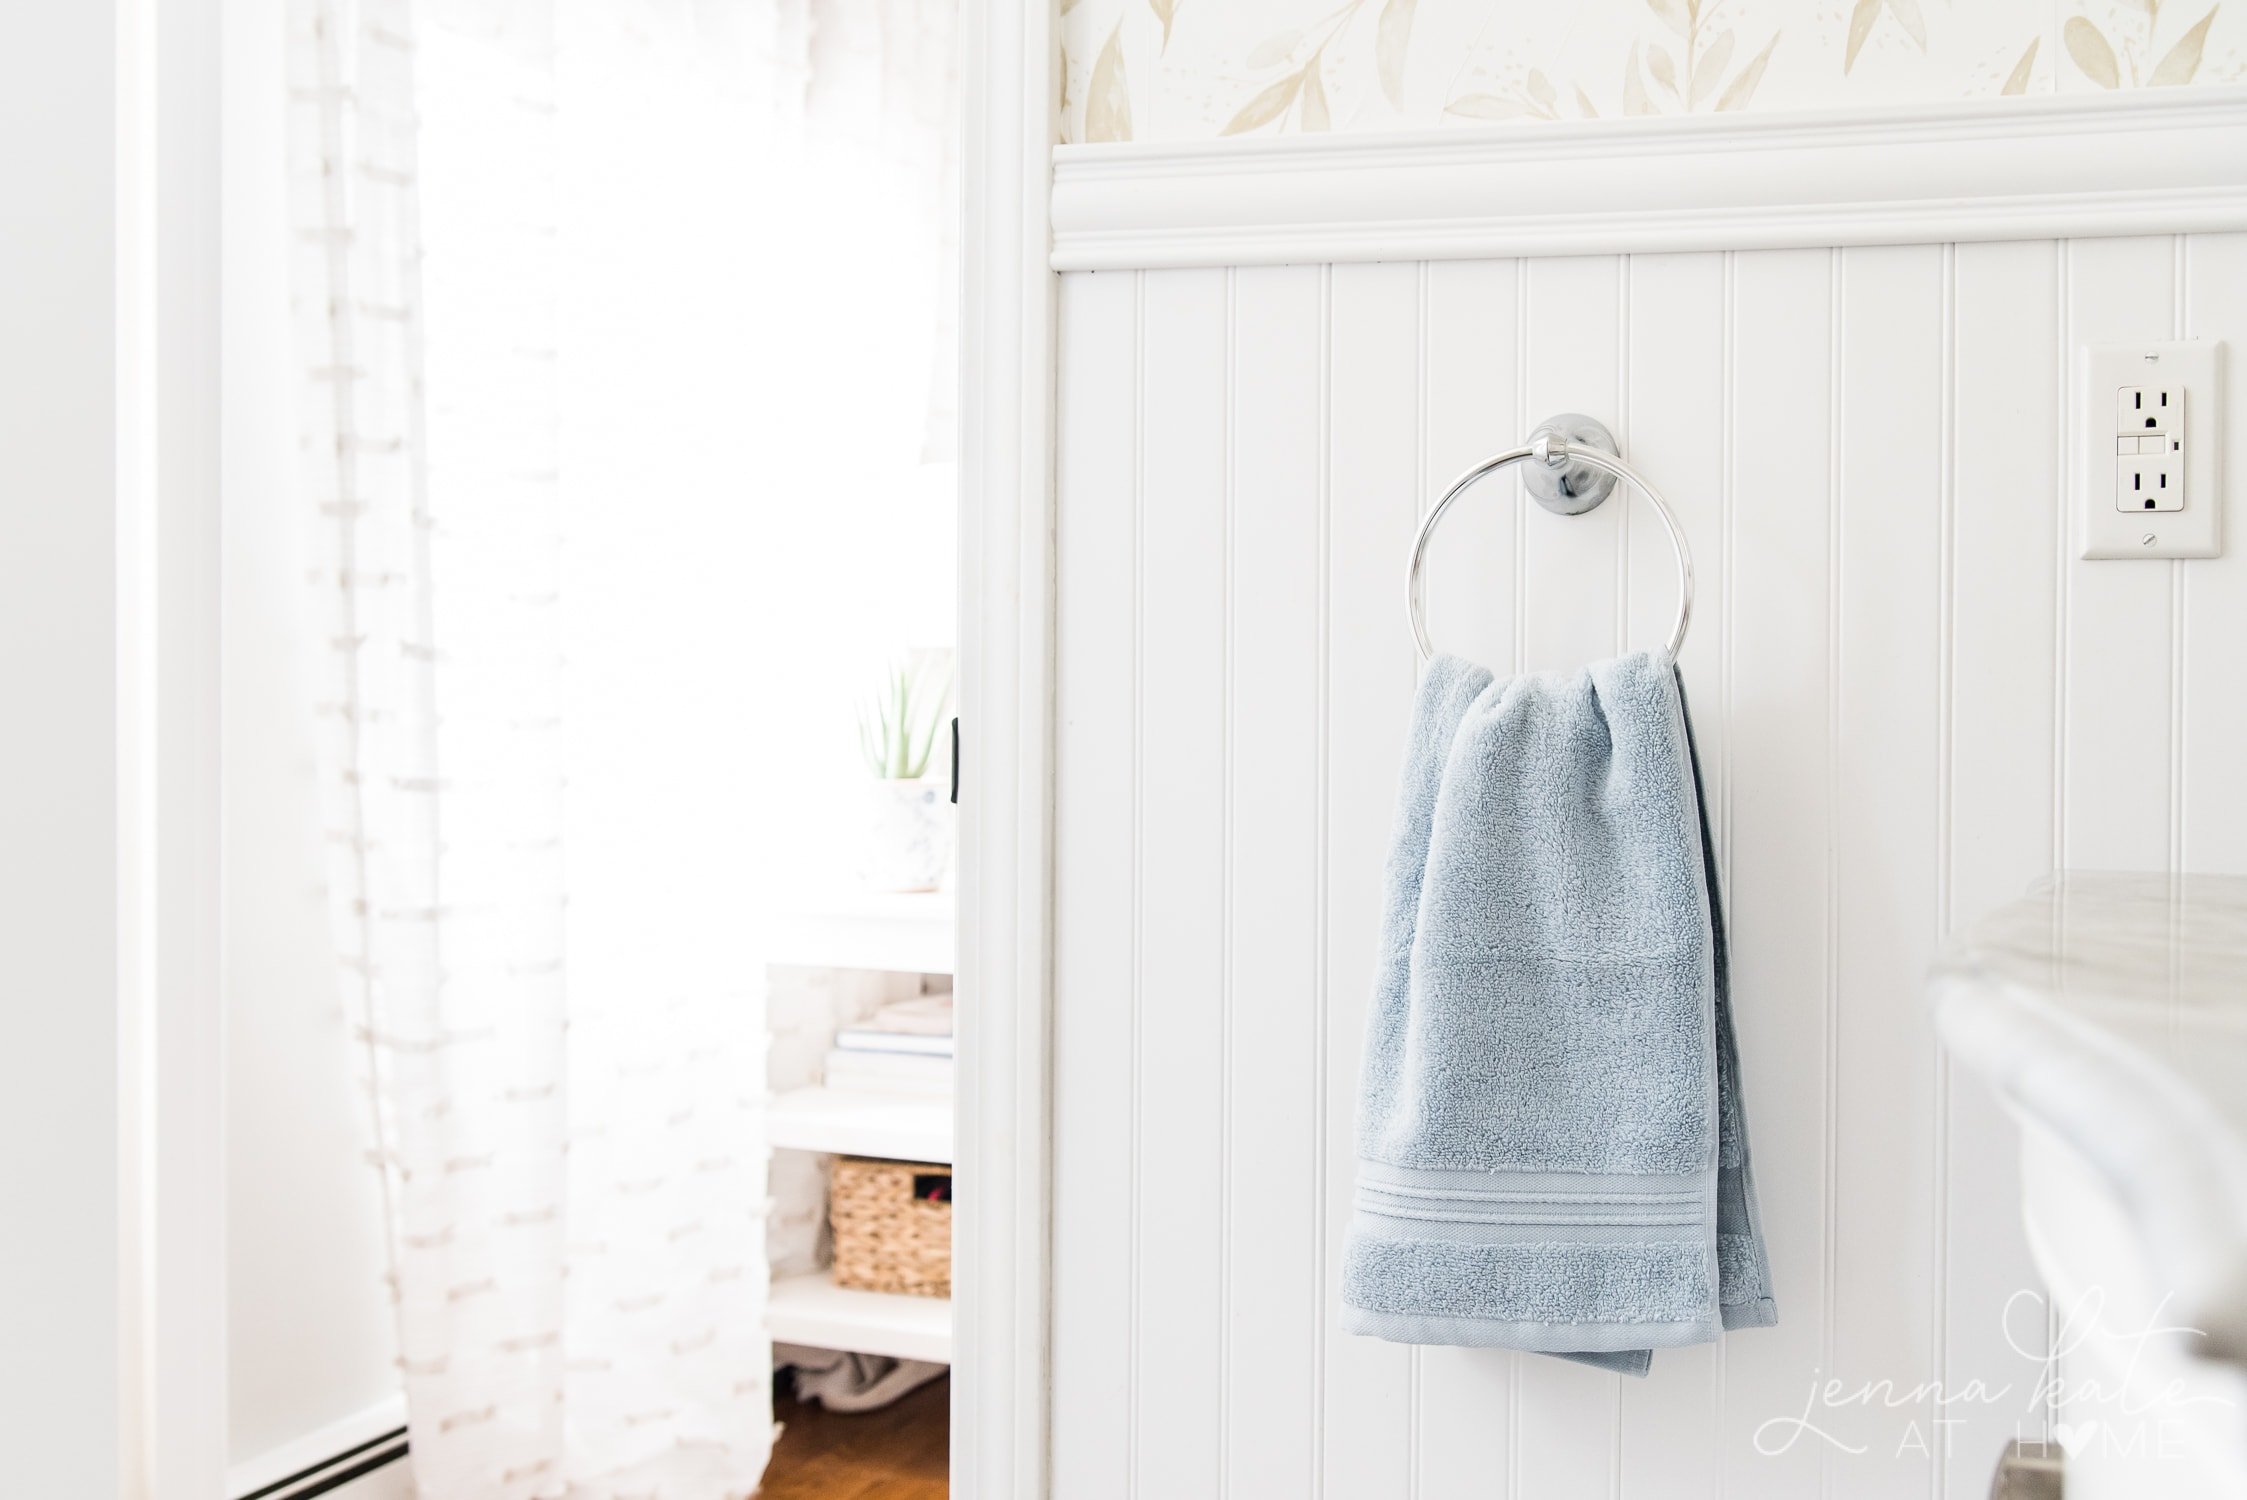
(1911,700)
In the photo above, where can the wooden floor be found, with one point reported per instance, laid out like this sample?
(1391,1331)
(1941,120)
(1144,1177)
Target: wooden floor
(898,1453)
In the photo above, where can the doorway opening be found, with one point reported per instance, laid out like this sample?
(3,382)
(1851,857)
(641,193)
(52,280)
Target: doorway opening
(589,745)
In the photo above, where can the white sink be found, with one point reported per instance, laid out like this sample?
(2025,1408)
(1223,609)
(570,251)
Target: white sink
(2109,1012)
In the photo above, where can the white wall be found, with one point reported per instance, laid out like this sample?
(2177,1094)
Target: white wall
(59,1073)
(309,1332)
(1911,702)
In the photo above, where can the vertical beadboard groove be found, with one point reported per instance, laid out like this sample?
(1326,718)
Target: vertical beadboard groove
(2063,255)
(1521,636)
(1522,419)
(1629,502)
(2179,581)
(2178,645)
(1269,1275)
(1226,599)
(1138,836)
(1182,1083)
(1094,744)
(1414,1407)
(2215,600)
(2006,536)
(1372,665)
(1728,541)
(1623,497)
(2179,576)
(1946,709)
(1392,1418)
(1319,913)
(2063,356)
(1837,443)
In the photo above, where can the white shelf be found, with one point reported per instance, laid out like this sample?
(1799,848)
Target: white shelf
(813,1310)
(867,930)
(898,1126)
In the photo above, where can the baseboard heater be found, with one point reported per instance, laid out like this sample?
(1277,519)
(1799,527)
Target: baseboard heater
(336,1471)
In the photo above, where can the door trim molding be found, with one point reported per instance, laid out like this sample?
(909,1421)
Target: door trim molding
(1002,1215)
(2153,161)
(172,1257)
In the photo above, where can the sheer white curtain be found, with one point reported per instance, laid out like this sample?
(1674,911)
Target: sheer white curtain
(439,775)
(550,1343)
(570,421)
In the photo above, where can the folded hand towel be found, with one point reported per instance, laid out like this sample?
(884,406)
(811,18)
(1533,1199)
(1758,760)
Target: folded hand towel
(1552,1154)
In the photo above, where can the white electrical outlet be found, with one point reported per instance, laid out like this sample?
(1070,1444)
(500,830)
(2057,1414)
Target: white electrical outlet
(2140,409)
(2151,443)
(2149,472)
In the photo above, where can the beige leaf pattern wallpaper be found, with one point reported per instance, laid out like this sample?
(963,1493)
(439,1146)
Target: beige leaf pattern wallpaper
(1183,70)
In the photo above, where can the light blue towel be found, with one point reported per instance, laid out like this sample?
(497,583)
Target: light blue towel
(1552,1154)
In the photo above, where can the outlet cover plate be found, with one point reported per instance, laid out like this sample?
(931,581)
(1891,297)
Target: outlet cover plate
(2195,529)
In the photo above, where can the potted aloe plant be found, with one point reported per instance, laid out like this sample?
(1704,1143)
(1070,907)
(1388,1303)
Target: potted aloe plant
(910,827)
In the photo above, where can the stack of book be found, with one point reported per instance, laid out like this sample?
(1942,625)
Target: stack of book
(905,1047)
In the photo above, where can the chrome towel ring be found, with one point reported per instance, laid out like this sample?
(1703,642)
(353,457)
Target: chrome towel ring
(1576,468)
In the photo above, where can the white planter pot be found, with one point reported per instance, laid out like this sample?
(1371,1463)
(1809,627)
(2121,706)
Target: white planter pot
(909,835)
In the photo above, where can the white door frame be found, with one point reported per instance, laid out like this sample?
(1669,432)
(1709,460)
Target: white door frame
(1010,93)
(172,1255)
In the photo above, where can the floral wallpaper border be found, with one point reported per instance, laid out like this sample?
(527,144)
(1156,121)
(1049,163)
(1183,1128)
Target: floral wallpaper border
(1177,70)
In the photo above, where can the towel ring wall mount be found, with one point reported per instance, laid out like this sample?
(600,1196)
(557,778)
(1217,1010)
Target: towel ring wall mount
(1573,466)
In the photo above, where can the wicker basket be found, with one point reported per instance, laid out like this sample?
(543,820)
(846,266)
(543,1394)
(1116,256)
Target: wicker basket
(893,1226)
